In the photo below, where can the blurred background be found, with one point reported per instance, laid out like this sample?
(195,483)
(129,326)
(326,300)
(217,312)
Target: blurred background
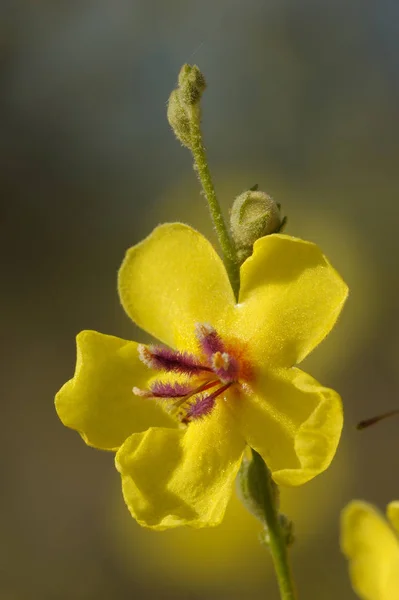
(302,99)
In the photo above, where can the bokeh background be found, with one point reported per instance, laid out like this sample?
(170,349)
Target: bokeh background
(303,100)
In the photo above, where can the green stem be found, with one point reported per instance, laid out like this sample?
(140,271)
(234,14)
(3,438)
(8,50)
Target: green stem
(201,166)
(277,544)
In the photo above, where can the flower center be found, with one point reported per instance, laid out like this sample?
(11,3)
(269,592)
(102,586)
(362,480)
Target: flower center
(205,377)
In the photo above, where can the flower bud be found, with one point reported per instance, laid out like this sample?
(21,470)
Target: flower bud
(250,492)
(253,215)
(191,84)
(183,105)
(178,119)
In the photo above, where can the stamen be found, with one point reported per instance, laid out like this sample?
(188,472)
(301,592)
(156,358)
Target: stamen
(160,389)
(209,339)
(203,406)
(225,366)
(220,361)
(198,390)
(143,393)
(221,370)
(165,359)
(170,390)
(200,408)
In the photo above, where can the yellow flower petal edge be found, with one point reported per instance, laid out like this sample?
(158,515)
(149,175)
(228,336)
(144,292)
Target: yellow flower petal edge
(293,423)
(290,298)
(98,401)
(393,515)
(172,280)
(181,477)
(372,549)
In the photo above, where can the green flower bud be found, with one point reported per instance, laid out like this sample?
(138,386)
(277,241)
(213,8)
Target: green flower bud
(191,84)
(253,215)
(184,103)
(249,490)
(178,119)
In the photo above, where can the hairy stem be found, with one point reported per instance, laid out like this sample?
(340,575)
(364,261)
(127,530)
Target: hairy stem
(277,544)
(201,166)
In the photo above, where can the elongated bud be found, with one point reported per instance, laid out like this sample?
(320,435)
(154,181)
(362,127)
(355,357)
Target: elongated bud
(250,492)
(184,103)
(191,84)
(178,119)
(253,215)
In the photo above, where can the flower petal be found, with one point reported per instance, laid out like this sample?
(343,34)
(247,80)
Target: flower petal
(181,477)
(372,550)
(293,422)
(98,402)
(172,280)
(393,515)
(290,298)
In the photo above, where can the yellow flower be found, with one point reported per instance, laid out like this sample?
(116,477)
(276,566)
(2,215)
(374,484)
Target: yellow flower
(371,545)
(225,378)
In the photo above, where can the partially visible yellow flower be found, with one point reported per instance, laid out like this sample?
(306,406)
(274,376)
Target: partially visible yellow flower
(371,544)
(226,377)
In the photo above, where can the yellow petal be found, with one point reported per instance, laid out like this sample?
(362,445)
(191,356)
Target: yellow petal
(372,550)
(293,422)
(181,477)
(98,402)
(393,515)
(172,280)
(290,298)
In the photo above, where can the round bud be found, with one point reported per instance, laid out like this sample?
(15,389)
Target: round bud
(253,215)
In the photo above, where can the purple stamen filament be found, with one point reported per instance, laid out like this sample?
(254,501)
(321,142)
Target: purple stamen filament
(170,390)
(165,359)
(201,388)
(209,340)
(221,370)
(203,406)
